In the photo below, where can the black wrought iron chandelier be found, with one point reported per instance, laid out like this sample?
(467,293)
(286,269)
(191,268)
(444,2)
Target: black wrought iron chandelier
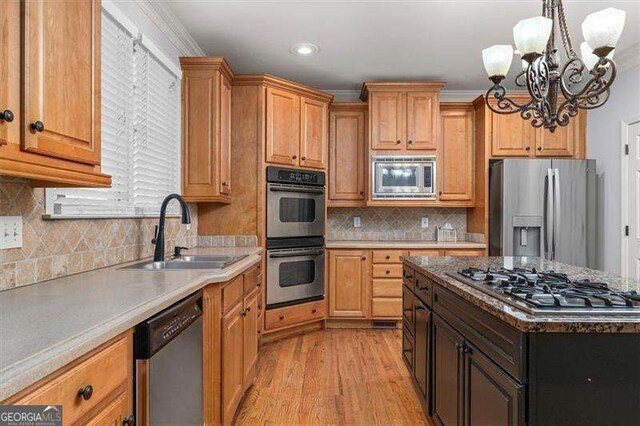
(557,92)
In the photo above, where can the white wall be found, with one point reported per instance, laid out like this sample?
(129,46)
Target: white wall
(605,146)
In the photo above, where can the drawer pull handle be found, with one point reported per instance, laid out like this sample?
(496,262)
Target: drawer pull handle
(408,310)
(303,158)
(313,311)
(86,392)
(388,272)
(281,317)
(407,350)
(387,257)
(423,288)
(364,257)
(129,420)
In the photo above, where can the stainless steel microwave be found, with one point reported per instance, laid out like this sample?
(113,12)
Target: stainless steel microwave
(404,177)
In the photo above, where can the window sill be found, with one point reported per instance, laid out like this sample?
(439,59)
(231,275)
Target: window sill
(94,217)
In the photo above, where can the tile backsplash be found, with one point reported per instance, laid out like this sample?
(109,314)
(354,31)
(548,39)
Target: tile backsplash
(55,248)
(390,223)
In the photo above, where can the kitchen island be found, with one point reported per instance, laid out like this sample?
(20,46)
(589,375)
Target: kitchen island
(480,353)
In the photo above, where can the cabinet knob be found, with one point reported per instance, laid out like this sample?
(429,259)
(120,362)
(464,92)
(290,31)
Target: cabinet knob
(225,184)
(86,392)
(361,192)
(38,126)
(313,311)
(6,115)
(387,257)
(410,142)
(364,257)
(294,156)
(281,317)
(129,420)
(539,148)
(387,272)
(398,142)
(407,350)
(458,346)
(244,313)
(528,148)
(303,158)
(440,193)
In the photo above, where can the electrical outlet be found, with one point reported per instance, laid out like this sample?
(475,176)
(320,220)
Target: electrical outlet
(356,222)
(424,222)
(10,232)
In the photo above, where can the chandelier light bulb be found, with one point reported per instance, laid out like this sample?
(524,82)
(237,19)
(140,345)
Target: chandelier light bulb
(589,58)
(497,59)
(531,36)
(602,30)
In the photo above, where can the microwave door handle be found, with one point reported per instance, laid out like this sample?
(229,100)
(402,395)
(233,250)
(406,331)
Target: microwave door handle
(296,254)
(295,190)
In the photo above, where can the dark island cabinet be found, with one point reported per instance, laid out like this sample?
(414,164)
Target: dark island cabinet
(447,374)
(422,348)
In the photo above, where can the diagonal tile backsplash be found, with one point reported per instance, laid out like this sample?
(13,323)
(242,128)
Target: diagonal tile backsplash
(392,223)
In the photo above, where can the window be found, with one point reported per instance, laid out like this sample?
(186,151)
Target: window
(140,128)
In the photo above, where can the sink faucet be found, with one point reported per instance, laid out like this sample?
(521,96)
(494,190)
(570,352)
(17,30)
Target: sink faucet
(158,255)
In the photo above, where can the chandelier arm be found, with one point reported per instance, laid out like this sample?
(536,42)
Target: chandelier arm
(588,96)
(504,104)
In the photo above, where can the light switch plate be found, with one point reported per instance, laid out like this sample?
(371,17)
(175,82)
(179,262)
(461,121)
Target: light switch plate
(424,222)
(356,222)
(10,232)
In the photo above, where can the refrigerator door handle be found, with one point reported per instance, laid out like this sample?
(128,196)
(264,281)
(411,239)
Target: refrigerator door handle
(548,215)
(556,213)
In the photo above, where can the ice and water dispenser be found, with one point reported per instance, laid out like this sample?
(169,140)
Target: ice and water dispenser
(527,235)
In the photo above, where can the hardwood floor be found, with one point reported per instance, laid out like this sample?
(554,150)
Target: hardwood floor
(333,377)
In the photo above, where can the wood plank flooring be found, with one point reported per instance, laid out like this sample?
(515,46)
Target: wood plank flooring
(333,377)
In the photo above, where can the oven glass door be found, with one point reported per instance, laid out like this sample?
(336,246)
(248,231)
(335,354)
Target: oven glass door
(294,274)
(295,211)
(401,178)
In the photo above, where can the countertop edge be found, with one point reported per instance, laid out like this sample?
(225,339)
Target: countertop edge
(373,244)
(19,376)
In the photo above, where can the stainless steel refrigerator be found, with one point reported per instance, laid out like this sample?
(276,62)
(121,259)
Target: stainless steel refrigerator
(543,208)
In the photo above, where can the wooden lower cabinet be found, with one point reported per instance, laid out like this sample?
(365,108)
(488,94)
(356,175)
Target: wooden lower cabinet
(447,374)
(349,284)
(249,340)
(232,361)
(105,374)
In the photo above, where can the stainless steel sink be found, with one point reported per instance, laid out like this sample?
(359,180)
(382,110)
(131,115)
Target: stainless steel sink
(188,263)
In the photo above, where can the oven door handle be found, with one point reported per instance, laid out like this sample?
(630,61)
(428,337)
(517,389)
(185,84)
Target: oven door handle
(300,190)
(296,254)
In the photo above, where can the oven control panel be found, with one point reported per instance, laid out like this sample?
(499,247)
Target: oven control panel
(293,176)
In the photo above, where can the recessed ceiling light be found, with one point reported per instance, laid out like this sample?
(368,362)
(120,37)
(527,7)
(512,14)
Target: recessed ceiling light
(304,49)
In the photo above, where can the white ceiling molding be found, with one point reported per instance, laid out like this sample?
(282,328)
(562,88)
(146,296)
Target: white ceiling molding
(628,58)
(166,21)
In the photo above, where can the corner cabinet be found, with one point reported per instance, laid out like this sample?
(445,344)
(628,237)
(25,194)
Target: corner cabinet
(50,92)
(296,127)
(347,155)
(206,129)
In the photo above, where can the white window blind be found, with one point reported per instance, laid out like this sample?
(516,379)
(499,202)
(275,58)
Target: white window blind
(140,129)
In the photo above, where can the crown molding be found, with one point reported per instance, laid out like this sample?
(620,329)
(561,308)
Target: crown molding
(167,22)
(445,95)
(628,58)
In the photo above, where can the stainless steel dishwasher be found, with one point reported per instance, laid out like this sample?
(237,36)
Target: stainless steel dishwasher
(168,352)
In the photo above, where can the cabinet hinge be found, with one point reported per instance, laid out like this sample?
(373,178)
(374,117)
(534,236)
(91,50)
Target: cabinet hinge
(626,231)
(626,149)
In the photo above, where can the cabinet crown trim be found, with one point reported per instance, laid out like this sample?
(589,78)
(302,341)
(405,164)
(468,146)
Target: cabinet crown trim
(280,83)
(207,63)
(404,86)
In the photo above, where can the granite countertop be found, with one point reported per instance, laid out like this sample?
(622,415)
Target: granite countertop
(45,326)
(402,244)
(437,268)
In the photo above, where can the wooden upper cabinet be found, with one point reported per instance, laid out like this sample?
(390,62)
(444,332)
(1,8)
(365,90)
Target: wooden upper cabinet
(387,120)
(512,136)
(349,284)
(422,120)
(347,155)
(313,137)
(283,129)
(564,141)
(62,79)
(9,73)
(457,154)
(206,129)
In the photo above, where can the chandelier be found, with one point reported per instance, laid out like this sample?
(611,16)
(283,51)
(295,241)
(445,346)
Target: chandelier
(557,93)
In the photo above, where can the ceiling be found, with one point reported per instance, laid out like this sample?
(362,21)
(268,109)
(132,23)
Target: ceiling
(373,40)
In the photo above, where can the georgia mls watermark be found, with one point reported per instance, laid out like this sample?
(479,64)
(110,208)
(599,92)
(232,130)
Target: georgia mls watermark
(30,415)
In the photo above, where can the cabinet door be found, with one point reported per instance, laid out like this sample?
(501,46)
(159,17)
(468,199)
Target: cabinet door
(283,127)
(10,72)
(457,154)
(250,336)
(225,136)
(491,396)
(349,284)
(347,156)
(387,120)
(422,348)
(113,414)
(512,136)
(422,121)
(563,142)
(62,79)
(232,360)
(447,374)
(313,138)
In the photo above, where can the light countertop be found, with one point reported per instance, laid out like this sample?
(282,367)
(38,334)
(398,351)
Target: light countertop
(47,325)
(402,244)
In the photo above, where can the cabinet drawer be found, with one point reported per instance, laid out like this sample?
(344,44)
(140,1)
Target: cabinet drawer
(386,307)
(408,314)
(387,271)
(387,256)
(252,279)
(297,314)
(232,293)
(502,343)
(386,287)
(423,289)
(104,371)
(407,277)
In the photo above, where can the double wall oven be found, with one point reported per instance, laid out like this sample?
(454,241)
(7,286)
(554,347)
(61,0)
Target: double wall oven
(295,236)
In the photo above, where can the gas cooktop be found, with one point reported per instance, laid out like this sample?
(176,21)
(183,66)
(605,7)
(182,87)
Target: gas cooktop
(549,292)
